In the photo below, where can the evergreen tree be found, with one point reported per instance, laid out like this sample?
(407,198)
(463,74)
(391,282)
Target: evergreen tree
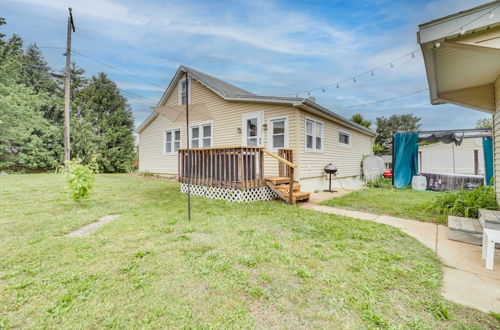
(27,139)
(103,125)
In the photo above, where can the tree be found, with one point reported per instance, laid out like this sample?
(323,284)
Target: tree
(27,139)
(386,126)
(484,123)
(358,119)
(103,125)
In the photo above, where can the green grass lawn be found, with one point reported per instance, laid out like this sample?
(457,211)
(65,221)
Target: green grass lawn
(404,203)
(261,265)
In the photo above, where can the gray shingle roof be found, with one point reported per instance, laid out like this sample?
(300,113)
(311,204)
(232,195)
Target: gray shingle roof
(219,86)
(234,93)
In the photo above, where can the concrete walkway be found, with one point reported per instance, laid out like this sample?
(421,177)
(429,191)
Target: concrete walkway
(465,280)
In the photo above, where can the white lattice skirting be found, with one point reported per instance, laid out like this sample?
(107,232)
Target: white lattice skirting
(232,195)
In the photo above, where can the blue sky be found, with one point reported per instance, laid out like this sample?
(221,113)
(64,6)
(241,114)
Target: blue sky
(267,47)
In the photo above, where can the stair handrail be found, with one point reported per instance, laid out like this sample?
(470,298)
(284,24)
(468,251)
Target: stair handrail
(280,159)
(291,167)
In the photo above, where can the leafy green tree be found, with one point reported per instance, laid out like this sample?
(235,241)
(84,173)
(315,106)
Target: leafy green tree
(386,126)
(359,119)
(484,123)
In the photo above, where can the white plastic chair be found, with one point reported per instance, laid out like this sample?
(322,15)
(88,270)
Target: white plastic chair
(490,237)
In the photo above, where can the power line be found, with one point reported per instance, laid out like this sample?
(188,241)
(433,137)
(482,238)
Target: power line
(370,72)
(118,69)
(390,64)
(379,101)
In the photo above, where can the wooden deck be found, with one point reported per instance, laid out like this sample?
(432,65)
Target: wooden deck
(239,168)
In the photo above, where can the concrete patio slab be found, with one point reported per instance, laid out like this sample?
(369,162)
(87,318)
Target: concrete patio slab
(318,197)
(465,279)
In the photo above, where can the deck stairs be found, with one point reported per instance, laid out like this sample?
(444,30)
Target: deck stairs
(281,185)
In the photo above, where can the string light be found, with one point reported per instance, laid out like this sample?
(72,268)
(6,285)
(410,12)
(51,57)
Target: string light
(461,30)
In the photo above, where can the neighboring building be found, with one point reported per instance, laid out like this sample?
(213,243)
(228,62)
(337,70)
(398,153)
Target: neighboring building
(462,60)
(316,135)
(466,158)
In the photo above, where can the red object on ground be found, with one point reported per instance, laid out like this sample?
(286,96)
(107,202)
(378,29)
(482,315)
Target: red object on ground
(388,174)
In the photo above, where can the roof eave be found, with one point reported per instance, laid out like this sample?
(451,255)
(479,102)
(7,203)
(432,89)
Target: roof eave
(339,118)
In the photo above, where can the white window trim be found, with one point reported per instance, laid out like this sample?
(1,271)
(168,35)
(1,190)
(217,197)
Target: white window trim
(201,124)
(173,135)
(260,120)
(179,90)
(270,131)
(345,145)
(314,137)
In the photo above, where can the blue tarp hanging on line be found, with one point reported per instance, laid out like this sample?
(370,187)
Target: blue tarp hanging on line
(405,158)
(488,159)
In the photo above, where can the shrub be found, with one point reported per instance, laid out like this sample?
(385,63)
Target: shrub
(380,182)
(80,179)
(466,203)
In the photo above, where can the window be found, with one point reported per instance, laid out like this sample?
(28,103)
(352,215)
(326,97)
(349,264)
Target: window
(344,138)
(278,134)
(314,135)
(201,136)
(172,141)
(183,92)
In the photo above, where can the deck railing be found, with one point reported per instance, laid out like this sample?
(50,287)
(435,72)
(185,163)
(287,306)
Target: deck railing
(227,167)
(233,167)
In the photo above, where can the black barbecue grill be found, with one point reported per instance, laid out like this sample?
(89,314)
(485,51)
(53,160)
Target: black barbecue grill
(330,169)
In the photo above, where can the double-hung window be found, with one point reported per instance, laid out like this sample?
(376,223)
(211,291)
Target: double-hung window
(314,135)
(201,136)
(278,133)
(172,140)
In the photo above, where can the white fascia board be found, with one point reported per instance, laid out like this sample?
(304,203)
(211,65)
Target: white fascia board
(473,19)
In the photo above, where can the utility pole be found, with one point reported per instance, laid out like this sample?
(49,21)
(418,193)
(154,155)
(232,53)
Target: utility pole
(67,85)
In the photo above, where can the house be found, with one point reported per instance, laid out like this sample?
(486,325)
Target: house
(462,60)
(466,158)
(309,135)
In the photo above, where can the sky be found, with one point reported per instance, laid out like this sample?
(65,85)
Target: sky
(283,48)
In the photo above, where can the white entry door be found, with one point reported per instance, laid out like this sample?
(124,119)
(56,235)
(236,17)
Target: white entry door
(252,129)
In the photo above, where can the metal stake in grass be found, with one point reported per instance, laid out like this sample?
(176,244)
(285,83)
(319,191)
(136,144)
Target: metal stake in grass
(188,160)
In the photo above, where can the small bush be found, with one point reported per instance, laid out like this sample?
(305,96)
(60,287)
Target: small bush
(466,203)
(80,179)
(146,174)
(379,183)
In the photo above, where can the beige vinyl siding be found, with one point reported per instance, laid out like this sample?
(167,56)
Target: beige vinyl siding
(496,139)
(346,158)
(228,117)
